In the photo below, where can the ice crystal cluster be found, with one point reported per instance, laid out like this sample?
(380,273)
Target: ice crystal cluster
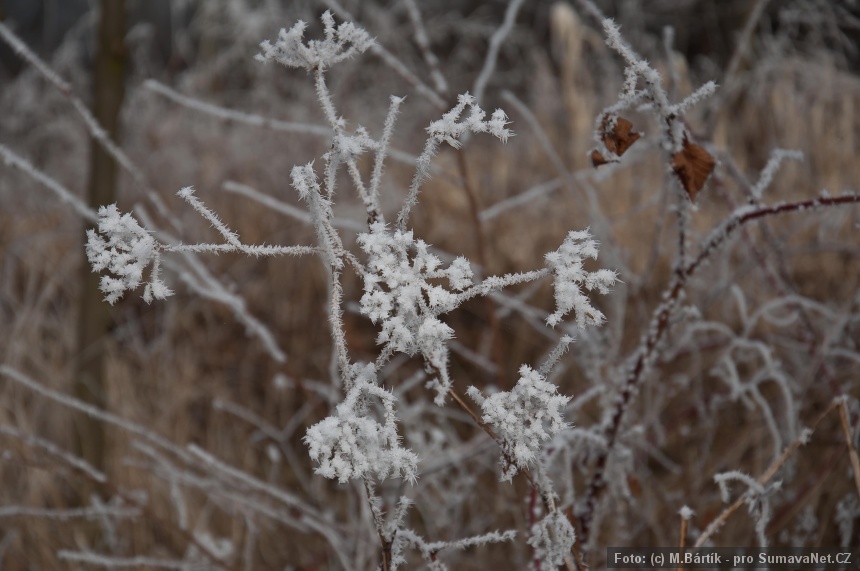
(524,418)
(569,277)
(353,444)
(398,293)
(125,251)
(552,538)
(449,128)
(289,50)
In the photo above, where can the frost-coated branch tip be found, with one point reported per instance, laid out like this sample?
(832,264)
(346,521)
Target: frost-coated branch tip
(340,43)
(570,277)
(123,248)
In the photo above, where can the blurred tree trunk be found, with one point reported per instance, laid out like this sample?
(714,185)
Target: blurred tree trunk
(94,320)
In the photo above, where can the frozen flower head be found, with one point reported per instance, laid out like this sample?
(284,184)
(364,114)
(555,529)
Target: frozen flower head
(524,418)
(552,539)
(340,43)
(352,443)
(398,293)
(125,249)
(570,277)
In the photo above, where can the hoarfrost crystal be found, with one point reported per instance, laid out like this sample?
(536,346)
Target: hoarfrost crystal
(570,277)
(552,539)
(353,444)
(524,418)
(125,251)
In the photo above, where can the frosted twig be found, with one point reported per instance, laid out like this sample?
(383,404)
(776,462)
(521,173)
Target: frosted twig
(746,214)
(111,561)
(429,550)
(93,126)
(766,177)
(326,103)
(11,159)
(233,243)
(187,194)
(555,355)
(495,283)
(496,41)
(74,461)
(67,514)
(233,115)
(373,209)
(424,45)
(450,129)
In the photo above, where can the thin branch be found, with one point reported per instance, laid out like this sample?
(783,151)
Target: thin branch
(496,41)
(226,114)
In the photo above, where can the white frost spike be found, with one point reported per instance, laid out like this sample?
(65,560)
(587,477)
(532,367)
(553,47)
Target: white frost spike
(524,418)
(289,50)
(353,444)
(571,277)
(552,539)
(125,251)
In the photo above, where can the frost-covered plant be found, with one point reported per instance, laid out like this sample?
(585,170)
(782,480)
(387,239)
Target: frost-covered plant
(353,444)
(757,497)
(569,277)
(290,51)
(407,289)
(126,250)
(552,539)
(525,418)
(643,85)
(399,296)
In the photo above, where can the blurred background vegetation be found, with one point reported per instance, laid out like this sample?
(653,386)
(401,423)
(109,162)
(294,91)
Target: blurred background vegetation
(788,75)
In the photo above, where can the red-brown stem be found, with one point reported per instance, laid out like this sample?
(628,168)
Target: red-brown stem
(659,325)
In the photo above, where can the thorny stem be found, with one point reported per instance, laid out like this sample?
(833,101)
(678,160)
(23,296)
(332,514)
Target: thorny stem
(659,326)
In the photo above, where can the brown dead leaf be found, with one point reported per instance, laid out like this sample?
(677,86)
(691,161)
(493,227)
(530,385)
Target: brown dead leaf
(597,159)
(693,164)
(618,140)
